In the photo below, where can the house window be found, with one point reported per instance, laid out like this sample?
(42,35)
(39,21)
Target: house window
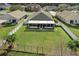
(71,21)
(13,21)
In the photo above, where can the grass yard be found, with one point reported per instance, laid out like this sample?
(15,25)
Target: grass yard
(4,31)
(53,40)
(40,38)
(75,30)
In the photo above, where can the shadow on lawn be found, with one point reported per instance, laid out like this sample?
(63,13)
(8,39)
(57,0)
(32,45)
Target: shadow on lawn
(36,54)
(8,25)
(38,30)
(9,50)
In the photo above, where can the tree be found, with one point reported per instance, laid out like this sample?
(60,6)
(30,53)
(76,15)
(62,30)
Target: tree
(62,7)
(72,45)
(16,7)
(11,38)
(77,43)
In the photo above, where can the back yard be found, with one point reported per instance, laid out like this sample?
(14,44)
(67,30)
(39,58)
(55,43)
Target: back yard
(49,43)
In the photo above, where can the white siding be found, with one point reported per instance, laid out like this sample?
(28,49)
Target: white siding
(77,18)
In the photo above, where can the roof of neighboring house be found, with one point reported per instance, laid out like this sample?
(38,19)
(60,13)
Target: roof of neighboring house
(6,17)
(13,15)
(41,15)
(29,5)
(67,15)
(17,14)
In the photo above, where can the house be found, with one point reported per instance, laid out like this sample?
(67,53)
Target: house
(50,8)
(18,15)
(33,7)
(40,20)
(4,6)
(6,19)
(13,17)
(68,17)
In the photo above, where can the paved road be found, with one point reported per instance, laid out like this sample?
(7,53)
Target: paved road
(68,31)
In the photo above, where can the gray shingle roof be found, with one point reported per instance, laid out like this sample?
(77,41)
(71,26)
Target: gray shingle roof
(17,14)
(41,15)
(67,15)
(6,17)
(13,15)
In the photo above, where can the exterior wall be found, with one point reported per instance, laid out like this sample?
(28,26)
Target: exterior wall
(77,18)
(78,21)
(67,21)
(11,21)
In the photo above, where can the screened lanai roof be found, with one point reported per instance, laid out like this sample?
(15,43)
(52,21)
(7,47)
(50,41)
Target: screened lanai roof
(41,22)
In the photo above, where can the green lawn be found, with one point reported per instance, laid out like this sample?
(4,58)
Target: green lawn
(4,31)
(75,30)
(47,39)
(40,38)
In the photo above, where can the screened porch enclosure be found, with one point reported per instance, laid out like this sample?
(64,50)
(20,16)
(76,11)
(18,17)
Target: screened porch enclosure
(43,26)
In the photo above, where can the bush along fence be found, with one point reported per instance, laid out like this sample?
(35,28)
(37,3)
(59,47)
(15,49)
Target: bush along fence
(9,44)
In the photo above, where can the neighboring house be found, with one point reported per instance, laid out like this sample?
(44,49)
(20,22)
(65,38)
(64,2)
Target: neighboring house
(6,19)
(13,17)
(40,20)
(69,17)
(50,8)
(4,6)
(53,13)
(33,7)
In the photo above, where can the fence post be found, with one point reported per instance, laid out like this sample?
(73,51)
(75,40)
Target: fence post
(24,47)
(37,50)
(42,50)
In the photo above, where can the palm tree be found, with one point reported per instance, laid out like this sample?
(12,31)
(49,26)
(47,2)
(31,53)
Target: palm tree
(77,43)
(73,46)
